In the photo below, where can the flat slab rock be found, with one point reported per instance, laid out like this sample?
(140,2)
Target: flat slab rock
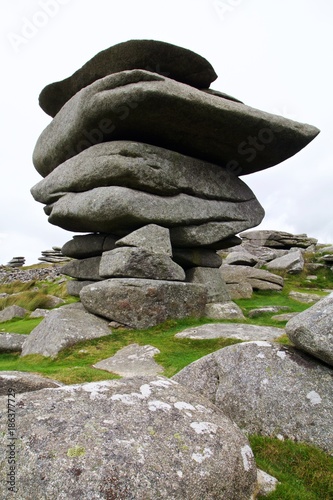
(146,107)
(11,342)
(267,389)
(19,382)
(132,361)
(144,437)
(231,331)
(62,328)
(277,239)
(306,298)
(142,303)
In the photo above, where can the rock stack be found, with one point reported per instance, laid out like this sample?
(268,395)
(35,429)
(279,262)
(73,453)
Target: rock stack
(54,256)
(16,262)
(144,157)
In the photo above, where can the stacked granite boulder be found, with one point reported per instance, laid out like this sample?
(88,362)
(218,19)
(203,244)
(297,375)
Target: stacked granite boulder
(54,256)
(144,157)
(16,262)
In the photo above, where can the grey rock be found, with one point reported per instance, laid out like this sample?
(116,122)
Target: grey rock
(132,361)
(328,259)
(106,209)
(74,287)
(39,313)
(84,269)
(142,303)
(312,330)
(274,391)
(11,312)
(20,382)
(146,107)
(239,278)
(265,254)
(212,279)
(306,298)
(266,483)
(277,239)
(267,309)
(144,167)
(89,245)
(226,310)
(231,331)
(241,290)
(164,58)
(62,328)
(291,263)
(242,258)
(196,257)
(128,439)
(134,262)
(53,301)
(221,94)
(152,238)
(325,249)
(11,342)
(284,317)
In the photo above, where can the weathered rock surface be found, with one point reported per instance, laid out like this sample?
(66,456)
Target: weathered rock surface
(11,342)
(171,115)
(144,167)
(142,303)
(39,313)
(274,391)
(11,312)
(132,361)
(266,483)
(74,287)
(306,298)
(152,238)
(196,257)
(284,317)
(241,258)
(62,328)
(231,331)
(89,245)
(83,269)
(134,262)
(240,278)
(223,310)
(277,239)
(164,58)
(266,309)
(211,278)
(312,330)
(24,382)
(291,263)
(128,439)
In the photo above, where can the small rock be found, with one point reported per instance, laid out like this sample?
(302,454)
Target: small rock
(267,309)
(153,238)
(291,263)
(11,312)
(225,310)
(284,317)
(39,313)
(231,331)
(266,483)
(11,342)
(306,298)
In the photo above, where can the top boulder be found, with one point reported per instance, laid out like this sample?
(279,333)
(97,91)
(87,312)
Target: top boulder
(164,58)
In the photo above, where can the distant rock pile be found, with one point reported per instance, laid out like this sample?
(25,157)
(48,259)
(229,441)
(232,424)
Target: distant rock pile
(16,262)
(141,152)
(53,256)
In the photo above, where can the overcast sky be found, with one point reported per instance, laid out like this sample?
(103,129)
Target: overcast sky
(275,55)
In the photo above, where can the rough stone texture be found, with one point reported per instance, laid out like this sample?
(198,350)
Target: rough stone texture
(53,301)
(266,483)
(196,257)
(144,167)
(231,331)
(89,245)
(164,58)
(265,254)
(163,112)
(74,287)
(238,279)
(84,269)
(226,310)
(241,258)
(128,439)
(312,330)
(211,278)
(306,298)
(284,317)
(134,262)
(277,239)
(142,303)
(62,328)
(11,342)
(39,313)
(107,209)
(267,309)
(292,263)
(152,238)
(132,361)
(274,391)
(24,382)
(11,312)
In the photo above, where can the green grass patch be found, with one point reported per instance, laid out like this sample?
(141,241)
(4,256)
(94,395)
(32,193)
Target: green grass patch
(305,472)
(18,325)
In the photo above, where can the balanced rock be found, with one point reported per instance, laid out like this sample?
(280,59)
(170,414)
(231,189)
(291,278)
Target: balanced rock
(241,258)
(267,389)
(54,256)
(164,58)
(142,303)
(312,330)
(144,437)
(196,257)
(16,262)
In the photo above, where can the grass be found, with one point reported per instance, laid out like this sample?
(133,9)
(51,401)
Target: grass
(18,325)
(304,472)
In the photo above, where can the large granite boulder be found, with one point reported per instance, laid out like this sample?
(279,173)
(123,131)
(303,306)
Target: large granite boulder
(291,263)
(88,245)
(142,303)
(277,239)
(164,58)
(267,389)
(212,279)
(17,382)
(83,269)
(127,439)
(62,328)
(146,107)
(152,238)
(312,330)
(11,342)
(242,278)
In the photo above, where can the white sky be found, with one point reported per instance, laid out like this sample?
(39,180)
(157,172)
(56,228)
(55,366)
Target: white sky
(275,55)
